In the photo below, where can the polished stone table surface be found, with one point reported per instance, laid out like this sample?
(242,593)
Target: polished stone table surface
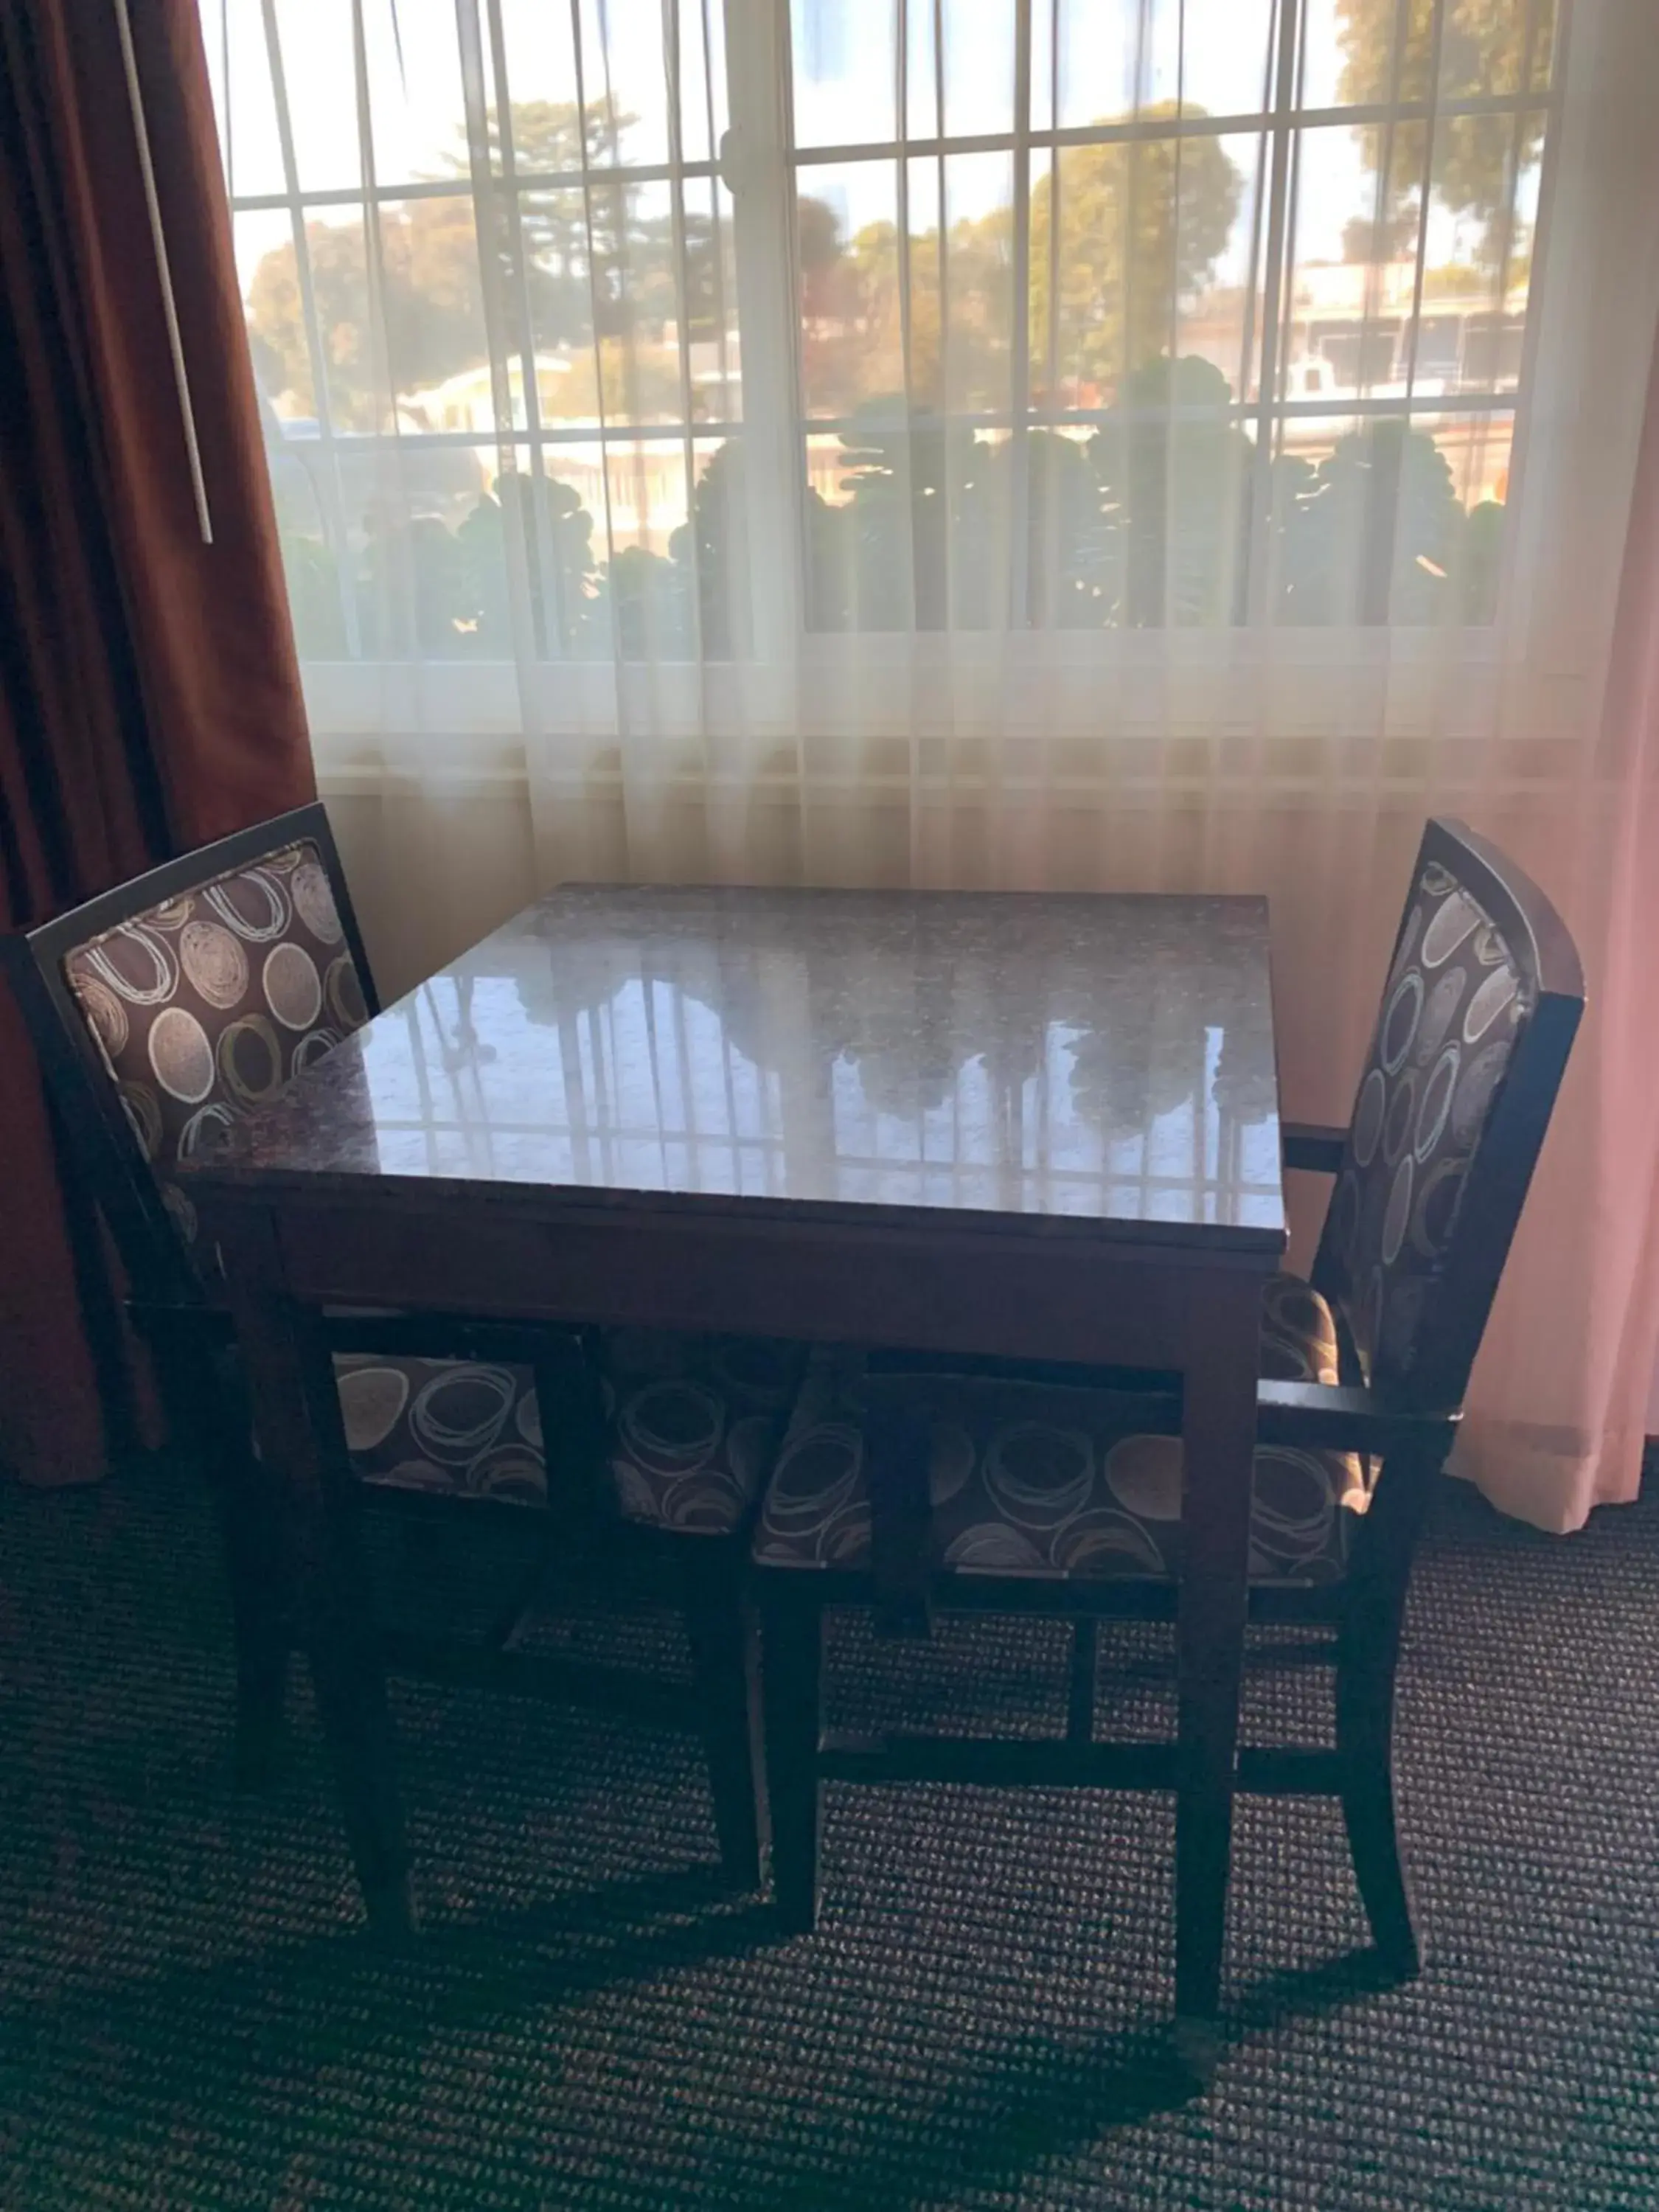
(1068,1062)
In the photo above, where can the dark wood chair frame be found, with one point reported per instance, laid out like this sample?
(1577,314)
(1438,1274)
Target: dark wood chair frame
(1408,1426)
(190,1340)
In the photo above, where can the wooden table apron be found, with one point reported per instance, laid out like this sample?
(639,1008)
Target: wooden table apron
(1012,1287)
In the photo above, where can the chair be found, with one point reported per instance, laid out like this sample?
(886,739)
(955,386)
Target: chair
(1017,1489)
(163,1010)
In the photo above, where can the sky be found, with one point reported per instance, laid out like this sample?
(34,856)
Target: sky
(844,94)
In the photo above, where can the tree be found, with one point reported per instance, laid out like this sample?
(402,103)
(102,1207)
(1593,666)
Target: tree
(1172,203)
(1177,199)
(1486,46)
(432,301)
(1176,489)
(602,277)
(1374,533)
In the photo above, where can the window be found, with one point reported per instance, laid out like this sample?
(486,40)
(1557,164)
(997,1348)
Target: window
(1079,315)
(1130,303)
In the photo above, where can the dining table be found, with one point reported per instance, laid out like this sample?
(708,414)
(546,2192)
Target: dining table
(1031,1126)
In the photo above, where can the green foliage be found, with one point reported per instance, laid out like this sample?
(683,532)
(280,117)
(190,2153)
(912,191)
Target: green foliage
(1486,46)
(431,296)
(1141,225)
(1149,525)
(1139,231)
(314,597)
(1176,487)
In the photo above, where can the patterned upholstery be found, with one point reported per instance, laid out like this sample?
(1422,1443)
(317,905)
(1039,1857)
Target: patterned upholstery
(1085,1499)
(461,1426)
(693,1424)
(204,1008)
(1454,1004)
(207,1005)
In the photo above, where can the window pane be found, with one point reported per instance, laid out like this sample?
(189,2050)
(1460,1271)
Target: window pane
(267,271)
(309,569)
(843,54)
(339,277)
(921,85)
(416,107)
(646,594)
(699,142)
(846,230)
(910,530)
(1364,52)
(1227,60)
(979,65)
(1496,46)
(430,575)
(1073,551)
(1218,304)
(540,67)
(1114,57)
(1119,58)
(253,148)
(320,66)
(637,297)
(626,294)
(1354,278)
(1382,521)
(979,267)
(625,80)
(554,228)
(1476,279)
(1174,468)
(1369,51)
(436,349)
(715,543)
(1143,226)
(1354,285)
(712,303)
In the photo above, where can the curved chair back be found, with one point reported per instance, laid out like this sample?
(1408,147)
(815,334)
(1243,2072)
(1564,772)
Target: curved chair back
(1481,1005)
(164,1009)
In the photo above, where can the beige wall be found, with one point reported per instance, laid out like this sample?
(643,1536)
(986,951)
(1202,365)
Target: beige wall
(429,879)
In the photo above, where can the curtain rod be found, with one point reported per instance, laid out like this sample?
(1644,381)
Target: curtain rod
(180,374)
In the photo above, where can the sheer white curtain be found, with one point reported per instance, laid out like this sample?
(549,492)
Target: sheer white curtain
(1143,443)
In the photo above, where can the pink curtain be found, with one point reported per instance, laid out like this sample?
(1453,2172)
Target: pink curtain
(1562,1391)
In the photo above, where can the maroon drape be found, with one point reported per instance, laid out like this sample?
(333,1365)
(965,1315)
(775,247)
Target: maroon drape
(149,698)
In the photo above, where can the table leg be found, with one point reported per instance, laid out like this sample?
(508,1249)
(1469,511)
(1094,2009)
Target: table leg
(296,1418)
(1219,1437)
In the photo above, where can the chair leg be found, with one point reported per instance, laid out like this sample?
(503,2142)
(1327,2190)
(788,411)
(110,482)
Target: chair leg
(720,1635)
(1368,1656)
(258,1551)
(1363,1733)
(790,1683)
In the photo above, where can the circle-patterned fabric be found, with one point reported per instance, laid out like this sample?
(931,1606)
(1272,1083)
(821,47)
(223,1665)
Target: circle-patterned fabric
(695,1422)
(1054,1498)
(209,1004)
(461,1426)
(1453,1004)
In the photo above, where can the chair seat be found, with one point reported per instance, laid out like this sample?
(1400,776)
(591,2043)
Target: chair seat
(692,1427)
(466,1428)
(693,1424)
(1086,1499)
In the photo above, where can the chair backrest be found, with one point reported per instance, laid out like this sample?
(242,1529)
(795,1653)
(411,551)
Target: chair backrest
(1478,1017)
(163,1010)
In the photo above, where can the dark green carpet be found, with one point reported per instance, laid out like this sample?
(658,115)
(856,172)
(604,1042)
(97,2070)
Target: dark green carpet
(188,2017)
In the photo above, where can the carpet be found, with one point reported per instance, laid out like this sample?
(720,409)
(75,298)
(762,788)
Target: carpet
(188,2016)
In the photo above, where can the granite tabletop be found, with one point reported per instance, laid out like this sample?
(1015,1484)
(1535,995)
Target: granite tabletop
(1055,1061)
